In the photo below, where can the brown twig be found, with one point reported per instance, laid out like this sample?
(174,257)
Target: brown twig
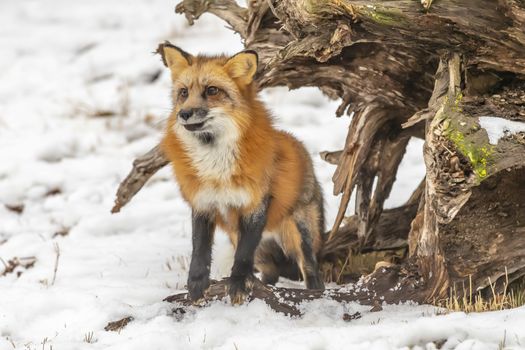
(57,252)
(143,168)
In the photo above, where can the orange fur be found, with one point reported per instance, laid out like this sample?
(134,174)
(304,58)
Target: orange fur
(269,162)
(258,162)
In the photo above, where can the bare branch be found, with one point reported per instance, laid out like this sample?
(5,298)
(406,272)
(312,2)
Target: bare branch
(143,168)
(235,15)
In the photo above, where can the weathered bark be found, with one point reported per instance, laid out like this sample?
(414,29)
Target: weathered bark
(428,250)
(485,242)
(459,158)
(390,233)
(432,68)
(143,168)
(371,291)
(331,157)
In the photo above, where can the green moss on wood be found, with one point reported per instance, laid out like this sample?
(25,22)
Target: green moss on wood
(380,14)
(459,130)
(327,8)
(478,156)
(457,101)
(384,16)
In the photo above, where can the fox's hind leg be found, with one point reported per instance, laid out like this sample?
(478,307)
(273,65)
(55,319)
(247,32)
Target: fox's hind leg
(298,243)
(268,257)
(271,262)
(308,264)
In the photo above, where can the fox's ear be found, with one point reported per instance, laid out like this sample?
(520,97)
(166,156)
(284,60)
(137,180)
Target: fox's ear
(242,66)
(173,57)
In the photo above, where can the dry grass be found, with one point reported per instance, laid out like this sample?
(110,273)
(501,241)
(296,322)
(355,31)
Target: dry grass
(355,265)
(469,301)
(90,338)
(122,108)
(461,299)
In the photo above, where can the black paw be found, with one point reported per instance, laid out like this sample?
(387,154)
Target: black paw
(239,288)
(314,282)
(197,287)
(269,279)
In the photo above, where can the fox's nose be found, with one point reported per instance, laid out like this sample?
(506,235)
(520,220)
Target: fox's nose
(199,113)
(185,114)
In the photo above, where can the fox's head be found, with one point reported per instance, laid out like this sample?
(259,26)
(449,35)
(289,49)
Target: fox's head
(212,96)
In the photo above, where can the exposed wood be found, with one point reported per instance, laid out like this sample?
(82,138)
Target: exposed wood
(143,168)
(402,68)
(331,157)
(459,157)
(271,295)
(417,117)
(235,15)
(371,51)
(390,233)
(425,235)
(485,240)
(375,289)
(389,155)
(365,125)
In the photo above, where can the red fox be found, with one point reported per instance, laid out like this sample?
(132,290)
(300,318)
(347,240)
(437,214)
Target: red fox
(239,173)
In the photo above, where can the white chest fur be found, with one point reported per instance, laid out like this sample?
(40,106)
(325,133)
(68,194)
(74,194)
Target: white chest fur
(218,159)
(221,199)
(215,163)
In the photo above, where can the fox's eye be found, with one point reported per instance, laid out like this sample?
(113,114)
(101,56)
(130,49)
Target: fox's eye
(183,93)
(212,90)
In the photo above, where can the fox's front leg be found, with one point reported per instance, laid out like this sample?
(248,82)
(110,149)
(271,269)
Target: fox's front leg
(251,227)
(203,227)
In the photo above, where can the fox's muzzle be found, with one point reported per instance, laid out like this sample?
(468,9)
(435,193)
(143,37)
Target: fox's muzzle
(193,118)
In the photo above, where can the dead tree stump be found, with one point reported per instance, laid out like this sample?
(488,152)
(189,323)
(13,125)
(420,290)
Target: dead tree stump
(435,70)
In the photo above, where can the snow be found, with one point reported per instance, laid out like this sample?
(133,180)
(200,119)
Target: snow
(498,127)
(64,66)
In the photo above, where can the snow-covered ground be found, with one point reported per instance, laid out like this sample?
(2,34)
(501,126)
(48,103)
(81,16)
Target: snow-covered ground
(65,66)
